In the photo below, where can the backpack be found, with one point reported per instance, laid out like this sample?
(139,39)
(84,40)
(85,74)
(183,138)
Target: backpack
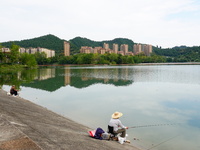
(98,133)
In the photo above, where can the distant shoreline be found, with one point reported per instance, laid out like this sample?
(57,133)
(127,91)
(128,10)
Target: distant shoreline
(139,64)
(173,63)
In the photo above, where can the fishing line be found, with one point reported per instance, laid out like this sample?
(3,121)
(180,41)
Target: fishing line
(163,142)
(153,125)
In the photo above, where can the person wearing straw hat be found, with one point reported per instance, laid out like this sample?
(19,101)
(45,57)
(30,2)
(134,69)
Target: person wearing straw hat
(117,125)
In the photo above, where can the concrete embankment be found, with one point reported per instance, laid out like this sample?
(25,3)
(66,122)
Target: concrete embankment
(27,126)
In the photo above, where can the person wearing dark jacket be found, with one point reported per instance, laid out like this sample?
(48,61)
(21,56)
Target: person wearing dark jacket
(13,91)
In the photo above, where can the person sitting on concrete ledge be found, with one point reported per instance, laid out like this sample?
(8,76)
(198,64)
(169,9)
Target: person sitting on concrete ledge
(13,91)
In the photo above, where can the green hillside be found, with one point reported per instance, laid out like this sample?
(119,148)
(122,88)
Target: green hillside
(77,42)
(52,42)
(180,54)
(48,41)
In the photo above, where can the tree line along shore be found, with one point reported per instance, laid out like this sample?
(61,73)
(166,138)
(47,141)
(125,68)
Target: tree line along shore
(158,55)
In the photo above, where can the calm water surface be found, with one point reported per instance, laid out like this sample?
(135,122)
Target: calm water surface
(162,102)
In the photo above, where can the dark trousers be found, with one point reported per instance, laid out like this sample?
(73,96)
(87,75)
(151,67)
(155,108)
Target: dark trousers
(13,92)
(122,131)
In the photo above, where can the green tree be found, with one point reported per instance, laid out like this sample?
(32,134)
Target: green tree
(1,54)
(80,58)
(28,59)
(87,59)
(14,54)
(54,59)
(130,60)
(103,60)
(41,58)
(95,59)
(66,60)
(113,58)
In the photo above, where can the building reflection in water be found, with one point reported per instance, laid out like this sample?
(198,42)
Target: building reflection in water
(51,79)
(67,76)
(72,75)
(45,73)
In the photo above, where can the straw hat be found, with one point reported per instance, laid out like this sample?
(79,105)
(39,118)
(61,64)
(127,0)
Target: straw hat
(116,115)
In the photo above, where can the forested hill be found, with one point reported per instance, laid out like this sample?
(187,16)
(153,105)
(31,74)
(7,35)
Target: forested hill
(180,54)
(52,42)
(77,42)
(48,41)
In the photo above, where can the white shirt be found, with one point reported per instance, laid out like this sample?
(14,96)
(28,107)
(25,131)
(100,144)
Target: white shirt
(116,123)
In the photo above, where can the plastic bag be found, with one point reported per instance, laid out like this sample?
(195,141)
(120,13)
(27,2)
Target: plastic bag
(121,140)
(92,133)
(105,136)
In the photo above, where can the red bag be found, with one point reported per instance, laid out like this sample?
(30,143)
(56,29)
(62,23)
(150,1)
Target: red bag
(92,133)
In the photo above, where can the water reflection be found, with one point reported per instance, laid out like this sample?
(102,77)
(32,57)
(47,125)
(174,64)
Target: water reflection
(17,77)
(45,73)
(51,79)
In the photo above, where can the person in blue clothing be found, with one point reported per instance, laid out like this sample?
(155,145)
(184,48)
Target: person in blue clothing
(117,125)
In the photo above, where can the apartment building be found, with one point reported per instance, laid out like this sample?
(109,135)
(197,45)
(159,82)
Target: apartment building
(124,48)
(137,48)
(146,49)
(49,53)
(66,48)
(115,48)
(96,50)
(86,49)
(5,50)
(106,46)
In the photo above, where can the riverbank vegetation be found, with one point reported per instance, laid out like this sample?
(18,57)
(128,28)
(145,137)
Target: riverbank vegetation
(109,59)
(14,59)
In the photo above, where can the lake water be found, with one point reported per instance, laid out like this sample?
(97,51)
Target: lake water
(161,103)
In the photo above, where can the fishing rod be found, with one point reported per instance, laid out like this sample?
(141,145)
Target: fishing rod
(152,125)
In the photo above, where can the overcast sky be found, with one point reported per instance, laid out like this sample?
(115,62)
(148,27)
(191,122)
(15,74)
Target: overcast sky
(165,23)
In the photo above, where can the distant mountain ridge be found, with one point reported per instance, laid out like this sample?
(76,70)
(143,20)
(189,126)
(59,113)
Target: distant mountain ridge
(54,43)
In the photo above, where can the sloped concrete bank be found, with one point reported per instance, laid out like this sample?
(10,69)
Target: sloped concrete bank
(27,126)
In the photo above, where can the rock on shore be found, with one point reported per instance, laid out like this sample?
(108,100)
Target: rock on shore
(27,126)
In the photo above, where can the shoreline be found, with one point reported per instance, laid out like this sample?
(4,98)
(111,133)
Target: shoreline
(25,125)
(136,64)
